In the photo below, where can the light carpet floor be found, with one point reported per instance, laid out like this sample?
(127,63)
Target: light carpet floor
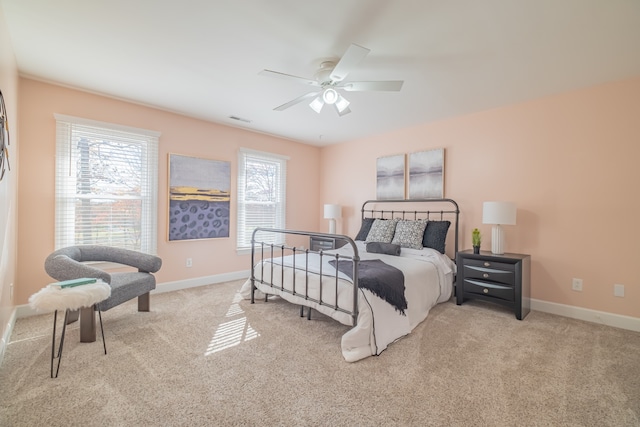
(204,357)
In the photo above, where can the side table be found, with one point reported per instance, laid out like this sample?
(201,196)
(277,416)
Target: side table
(502,279)
(54,298)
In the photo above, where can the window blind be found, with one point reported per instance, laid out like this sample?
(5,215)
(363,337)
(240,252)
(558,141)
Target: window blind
(262,181)
(106,185)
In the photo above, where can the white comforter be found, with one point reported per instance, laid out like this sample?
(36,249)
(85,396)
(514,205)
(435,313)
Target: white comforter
(428,281)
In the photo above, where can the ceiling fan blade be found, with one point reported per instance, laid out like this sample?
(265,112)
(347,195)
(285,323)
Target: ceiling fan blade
(284,76)
(296,101)
(350,59)
(389,85)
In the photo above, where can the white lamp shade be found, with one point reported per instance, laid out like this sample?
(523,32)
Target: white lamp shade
(503,213)
(332,211)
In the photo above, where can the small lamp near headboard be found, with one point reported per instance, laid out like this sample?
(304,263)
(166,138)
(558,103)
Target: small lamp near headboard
(498,213)
(332,212)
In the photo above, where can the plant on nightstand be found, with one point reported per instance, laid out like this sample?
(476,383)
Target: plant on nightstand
(476,240)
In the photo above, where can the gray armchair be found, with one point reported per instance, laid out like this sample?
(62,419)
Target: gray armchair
(67,264)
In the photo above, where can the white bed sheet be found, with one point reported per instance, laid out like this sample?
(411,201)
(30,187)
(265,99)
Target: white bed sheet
(428,281)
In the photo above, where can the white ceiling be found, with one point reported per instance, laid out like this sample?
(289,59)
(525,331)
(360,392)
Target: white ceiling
(201,58)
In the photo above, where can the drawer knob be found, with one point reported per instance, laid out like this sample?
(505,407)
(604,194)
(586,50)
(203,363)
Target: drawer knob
(487,264)
(485,290)
(485,275)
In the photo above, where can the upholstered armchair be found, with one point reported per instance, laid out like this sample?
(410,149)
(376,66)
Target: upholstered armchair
(67,263)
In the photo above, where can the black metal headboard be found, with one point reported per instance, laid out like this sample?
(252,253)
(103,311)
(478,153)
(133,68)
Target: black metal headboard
(430,209)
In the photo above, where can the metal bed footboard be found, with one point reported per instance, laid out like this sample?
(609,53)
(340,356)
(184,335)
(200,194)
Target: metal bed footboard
(270,253)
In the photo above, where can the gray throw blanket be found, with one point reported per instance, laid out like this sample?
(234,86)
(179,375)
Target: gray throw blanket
(384,280)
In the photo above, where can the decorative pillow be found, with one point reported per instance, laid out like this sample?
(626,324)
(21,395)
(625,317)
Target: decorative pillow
(383,248)
(382,230)
(364,228)
(435,235)
(409,234)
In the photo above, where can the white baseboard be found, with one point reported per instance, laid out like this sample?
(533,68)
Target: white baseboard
(594,316)
(7,335)
(200,281)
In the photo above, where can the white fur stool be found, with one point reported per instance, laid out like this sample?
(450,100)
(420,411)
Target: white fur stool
(54,297)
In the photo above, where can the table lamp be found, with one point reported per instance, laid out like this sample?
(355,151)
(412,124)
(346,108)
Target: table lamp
(498,213)
(332,212)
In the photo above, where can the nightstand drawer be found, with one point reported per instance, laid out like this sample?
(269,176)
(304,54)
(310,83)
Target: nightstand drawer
(325,245)
(494,290)
(496,272)
(490,264)
(318,243)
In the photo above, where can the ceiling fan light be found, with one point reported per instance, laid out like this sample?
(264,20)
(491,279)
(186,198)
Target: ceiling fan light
(341,104)
(317,104)
(343,112)
(330,96)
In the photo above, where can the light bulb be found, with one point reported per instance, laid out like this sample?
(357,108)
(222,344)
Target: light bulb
(330,96)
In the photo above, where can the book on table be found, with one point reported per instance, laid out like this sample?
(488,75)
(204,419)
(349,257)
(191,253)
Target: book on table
(74,282)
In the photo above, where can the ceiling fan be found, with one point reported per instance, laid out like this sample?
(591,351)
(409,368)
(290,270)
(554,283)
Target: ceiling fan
(329,79)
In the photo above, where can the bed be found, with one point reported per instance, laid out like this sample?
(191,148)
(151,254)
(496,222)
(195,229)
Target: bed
(383,282)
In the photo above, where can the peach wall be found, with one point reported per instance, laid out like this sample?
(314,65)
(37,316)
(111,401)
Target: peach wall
(569,162)
(181,135)
(9,185)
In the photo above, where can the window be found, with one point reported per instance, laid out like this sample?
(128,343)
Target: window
(261,194)
(106,185)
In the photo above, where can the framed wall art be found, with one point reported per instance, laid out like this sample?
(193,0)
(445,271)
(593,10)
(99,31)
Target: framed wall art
(199,198)
(4,138)
(390,177)
(426,174)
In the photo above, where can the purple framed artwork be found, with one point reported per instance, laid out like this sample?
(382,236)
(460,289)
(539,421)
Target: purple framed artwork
(199,198)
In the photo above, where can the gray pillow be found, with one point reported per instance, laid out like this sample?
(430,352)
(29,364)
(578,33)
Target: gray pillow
(383,248)
(382,230)
(409,234)
(435,235)
(364,228)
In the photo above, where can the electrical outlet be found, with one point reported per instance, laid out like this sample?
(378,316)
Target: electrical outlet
(576,284)
(189,262)
(618,290)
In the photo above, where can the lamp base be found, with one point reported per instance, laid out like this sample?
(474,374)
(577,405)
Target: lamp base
(497,240)
(332,226)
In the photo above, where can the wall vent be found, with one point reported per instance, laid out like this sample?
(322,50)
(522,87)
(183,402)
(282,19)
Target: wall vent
(240,119)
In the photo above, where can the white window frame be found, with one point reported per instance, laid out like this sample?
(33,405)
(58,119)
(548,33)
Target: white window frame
(245,225)
(66,168)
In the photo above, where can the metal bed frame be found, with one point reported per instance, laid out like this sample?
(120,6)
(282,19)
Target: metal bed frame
(452,212)
(268,252)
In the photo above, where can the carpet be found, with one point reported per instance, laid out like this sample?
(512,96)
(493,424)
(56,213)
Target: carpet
(205,357)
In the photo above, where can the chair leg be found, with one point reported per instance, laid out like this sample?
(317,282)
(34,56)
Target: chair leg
(74,315)
(53,340)
(144,302)
(87,324)
(104,343)
(53,344)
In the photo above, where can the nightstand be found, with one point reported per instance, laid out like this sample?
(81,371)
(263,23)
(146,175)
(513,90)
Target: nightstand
(502,279)
(317,243)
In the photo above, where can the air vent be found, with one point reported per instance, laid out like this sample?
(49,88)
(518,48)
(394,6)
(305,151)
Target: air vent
(240,119)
